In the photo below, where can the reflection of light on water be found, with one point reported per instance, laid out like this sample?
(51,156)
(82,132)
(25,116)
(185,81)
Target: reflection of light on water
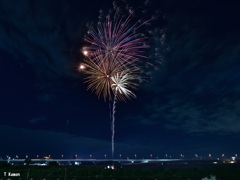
(110,167)
(77,163)
(211,178)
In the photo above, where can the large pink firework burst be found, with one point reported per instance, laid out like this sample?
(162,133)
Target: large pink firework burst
(117,40)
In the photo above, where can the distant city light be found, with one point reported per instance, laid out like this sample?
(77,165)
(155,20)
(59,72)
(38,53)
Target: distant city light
(76,163)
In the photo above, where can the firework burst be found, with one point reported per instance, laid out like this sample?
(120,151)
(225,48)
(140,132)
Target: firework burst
(114,48)
(103,76)
(112,60)
(118,40)
(122,81)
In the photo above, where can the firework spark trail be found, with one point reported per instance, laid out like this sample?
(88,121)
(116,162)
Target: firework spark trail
(113,122)
(109,106)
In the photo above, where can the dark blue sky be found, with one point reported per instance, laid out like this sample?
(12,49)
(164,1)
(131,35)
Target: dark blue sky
(191,105)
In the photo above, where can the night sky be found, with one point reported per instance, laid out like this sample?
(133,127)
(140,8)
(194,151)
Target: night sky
(190,105)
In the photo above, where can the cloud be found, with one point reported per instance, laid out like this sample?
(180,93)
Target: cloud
(38,119)
(197,90)
(192,118)
(45,141)
(33,142)
(193,114)
(198,95)
(43,38)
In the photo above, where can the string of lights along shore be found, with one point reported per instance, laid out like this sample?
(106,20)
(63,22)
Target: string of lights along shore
(112,59)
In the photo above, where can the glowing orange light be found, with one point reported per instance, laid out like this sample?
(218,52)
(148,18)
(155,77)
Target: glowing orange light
(85,52)
(82,67)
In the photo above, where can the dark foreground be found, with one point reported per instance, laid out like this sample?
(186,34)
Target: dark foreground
(180,171)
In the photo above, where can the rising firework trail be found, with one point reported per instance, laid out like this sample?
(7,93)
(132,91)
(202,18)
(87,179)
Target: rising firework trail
(121,83)
(112,61)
